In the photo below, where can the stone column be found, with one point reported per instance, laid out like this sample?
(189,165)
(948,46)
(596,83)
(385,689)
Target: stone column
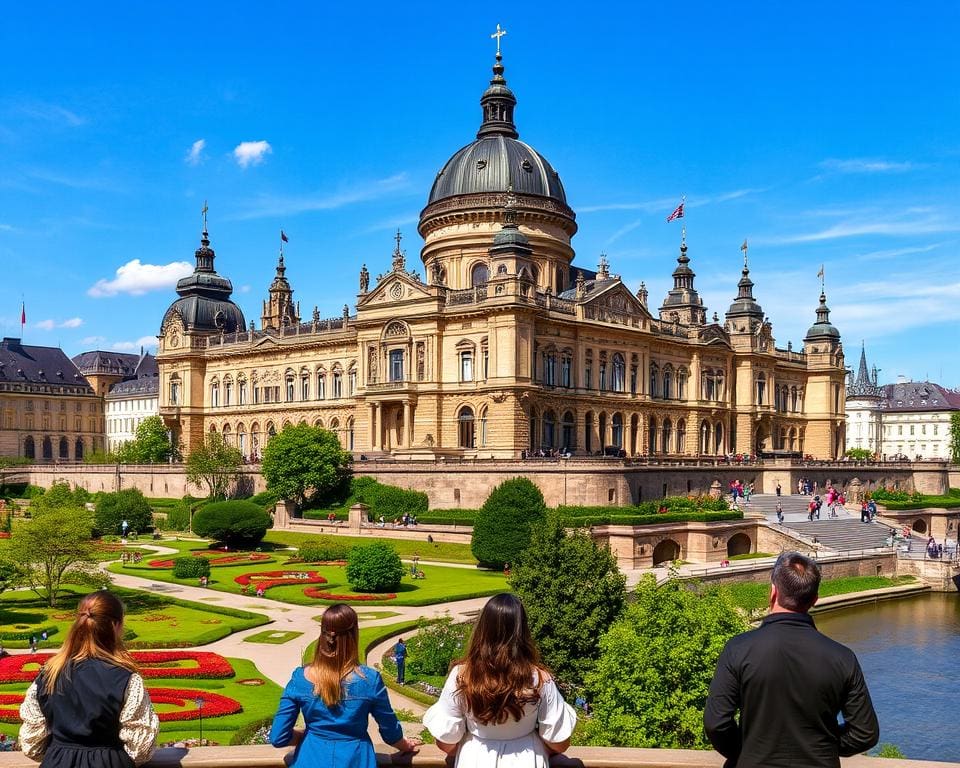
(281,515)
(407,424)
(357,516)
(374,427)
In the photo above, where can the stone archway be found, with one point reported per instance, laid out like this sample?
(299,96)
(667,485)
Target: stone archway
(919,525)
(739,544)
(666,552)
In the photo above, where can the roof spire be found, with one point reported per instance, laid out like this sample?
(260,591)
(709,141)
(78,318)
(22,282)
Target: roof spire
(204,254)
(498,100)
(399,258)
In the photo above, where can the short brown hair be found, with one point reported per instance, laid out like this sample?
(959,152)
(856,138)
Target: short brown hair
(797,579)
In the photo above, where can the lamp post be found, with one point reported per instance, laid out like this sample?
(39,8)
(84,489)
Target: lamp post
(199,702)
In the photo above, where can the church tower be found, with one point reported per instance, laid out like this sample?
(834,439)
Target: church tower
(279,311)
(863,408)
(683,304)
(824,402)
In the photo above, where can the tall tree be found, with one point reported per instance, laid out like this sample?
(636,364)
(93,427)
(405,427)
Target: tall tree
(151,445)
(501,530)
(214,464)
(955,437)
(572,591)
(303,462)
(649,686)
(55,542)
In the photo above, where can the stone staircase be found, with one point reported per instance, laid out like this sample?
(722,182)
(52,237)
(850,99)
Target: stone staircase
(842,534)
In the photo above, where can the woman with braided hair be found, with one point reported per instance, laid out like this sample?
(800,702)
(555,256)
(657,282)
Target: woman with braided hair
(336,695)
(88,707)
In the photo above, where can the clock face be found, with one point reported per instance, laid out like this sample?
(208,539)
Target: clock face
(396,290)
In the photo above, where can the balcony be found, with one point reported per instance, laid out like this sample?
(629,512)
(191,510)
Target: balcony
(391,387)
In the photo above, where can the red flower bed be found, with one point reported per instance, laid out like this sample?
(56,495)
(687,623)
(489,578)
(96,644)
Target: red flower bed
(240,557)
(321,595)
(266,579)
(214,704)
(13,669)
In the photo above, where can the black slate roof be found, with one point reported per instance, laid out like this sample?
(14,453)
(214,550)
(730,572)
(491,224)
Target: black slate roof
(144,381)
(32,368)
(103,362)
(914,396)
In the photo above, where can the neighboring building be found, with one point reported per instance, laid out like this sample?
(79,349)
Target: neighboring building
(129,402)
(48,409)
(909,418)
(505,346)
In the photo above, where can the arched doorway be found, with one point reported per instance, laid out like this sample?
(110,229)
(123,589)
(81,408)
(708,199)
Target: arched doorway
(739,544)
(666,552)
(47,448)
(919,525)
(78,449)
(29,447)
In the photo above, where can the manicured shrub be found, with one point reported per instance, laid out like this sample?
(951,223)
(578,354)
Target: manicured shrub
(388,500)
(234,523)
(178,517)
(265,499)
(435,645)
(374,568)
(323,549)
(501,530)
(130,505)
(191,567)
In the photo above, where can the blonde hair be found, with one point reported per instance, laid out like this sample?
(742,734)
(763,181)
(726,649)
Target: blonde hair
(336,655)
(95,634)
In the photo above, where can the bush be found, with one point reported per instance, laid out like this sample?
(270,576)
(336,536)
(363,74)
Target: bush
(374,568)
(322,549)
(449,516)
(130,505)
(388,500)
(234,523)
(58,495)
(265,499)
(435,646)
(191,567)
(178,517)
(501,530)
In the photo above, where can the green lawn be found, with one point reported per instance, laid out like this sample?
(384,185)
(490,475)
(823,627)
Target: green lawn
(754,597)
(272,638)
(259,702)
(440,585)
(375,615)
(444,552)
(151,620)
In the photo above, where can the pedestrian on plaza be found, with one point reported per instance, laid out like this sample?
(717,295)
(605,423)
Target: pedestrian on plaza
(789,683)
(400,658)
(88,707)
(779,511)
(33,643)
(818,502)
(337,695)
(44,636)
(800,486)
(864,513)
(778,488)
(811,510)
(500,706)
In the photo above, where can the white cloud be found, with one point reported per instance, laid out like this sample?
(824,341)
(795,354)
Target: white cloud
(893,253)
(195,155)
(86,340)
(49,325)
(6,228)
(136,278)
(912,221)
(51,113)
(867,165)
(274,205)
(248,153)
(244,289)
(131,346)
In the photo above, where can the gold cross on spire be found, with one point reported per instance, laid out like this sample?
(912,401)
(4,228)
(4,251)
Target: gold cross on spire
(204,212)
(498,34)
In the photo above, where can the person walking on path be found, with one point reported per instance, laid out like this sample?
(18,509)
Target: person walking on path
(336,695)
(88,707)
(400,657)
(789,683)
(778,489)
(500,706)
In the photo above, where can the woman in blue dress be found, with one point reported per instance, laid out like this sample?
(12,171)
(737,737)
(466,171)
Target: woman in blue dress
(336,695)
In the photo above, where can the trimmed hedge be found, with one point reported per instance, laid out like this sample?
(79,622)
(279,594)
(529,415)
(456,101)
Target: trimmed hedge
(616,516)
(939,502)
(323,549)
(502,528)
(191,567)
(26,634)
(234,523)
(448,517)
(374,568)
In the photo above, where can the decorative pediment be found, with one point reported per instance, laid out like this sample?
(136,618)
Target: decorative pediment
(616,298)
(395,287)
(712,334)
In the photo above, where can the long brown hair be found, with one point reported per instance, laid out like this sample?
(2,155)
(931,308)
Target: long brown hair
(496,678)
(336,653)
(96,634)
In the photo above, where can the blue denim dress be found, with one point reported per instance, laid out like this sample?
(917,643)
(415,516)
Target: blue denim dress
(336,737)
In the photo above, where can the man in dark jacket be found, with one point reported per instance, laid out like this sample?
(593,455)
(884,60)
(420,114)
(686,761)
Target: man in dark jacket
(789,683)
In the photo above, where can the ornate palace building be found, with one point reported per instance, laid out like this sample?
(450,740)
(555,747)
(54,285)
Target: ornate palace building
(503,346)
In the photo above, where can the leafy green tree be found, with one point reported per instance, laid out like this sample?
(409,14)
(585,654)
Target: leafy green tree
(55,542)
(649,686)
(214,464)
(955,437)
(130,505)
(234,523)
(150,446)
(374,568)
(859,454)
(11,575)
(573,591)
(303,462)
(60,495)
(501,530)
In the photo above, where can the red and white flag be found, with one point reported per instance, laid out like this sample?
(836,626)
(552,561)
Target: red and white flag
(677,213)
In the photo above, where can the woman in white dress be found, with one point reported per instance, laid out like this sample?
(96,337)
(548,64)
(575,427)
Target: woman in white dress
(500,706)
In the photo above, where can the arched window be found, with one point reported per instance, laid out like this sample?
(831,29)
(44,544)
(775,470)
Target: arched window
(242,439)
(352,380)
(718,438)
(682,384)
(78,449)
(550,367)
(465,428)
(228,392)
(337,385)
(242,391)
(588,432)
(549,430)
(64,448)
(682,436)
(652,436)
(321,385)
(304,385)
(761,388)
(214,394)
(350,434)
(227,434)
(483,427)
(47,448)
(794,400)
(667,382)
(479,275)
(721,392)
(666,435)
(709,385)
(704,437)
(271,430)
(566,368)
(654,380)
(569,437)
(174,390)
(29,449)
(619,373)
(616,431)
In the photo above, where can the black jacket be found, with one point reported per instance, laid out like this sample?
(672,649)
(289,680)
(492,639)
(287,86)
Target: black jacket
(789,683)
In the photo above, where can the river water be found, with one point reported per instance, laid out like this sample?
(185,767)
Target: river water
(910,653)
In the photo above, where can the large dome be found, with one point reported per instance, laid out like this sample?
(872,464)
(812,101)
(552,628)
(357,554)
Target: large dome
(497,161)
(494,164)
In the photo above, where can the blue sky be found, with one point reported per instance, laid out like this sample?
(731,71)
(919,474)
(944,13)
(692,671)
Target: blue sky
(822,132)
